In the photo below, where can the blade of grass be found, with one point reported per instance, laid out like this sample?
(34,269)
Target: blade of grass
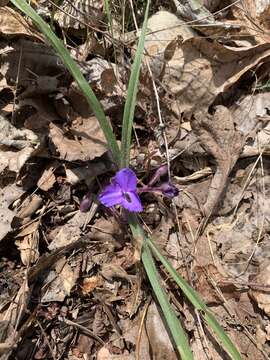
(196,301)
(75,71)
(131,95)
(174,325)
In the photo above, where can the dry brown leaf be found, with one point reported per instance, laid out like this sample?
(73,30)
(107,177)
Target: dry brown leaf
(8,194)
(39,58)
(219,138)
(104,354)
(262,297)
(68,233)
(28,243)
(199,69)
(160,342)
(253,15)
(47,179)
(28,208)
(86,173)
(45,113)
(12,23)
(208,278)
(111,271)
(78,13)
(59,282)
(251,116)
(24,140)
(90,283)
(17,138)
(89,141)
(164,27)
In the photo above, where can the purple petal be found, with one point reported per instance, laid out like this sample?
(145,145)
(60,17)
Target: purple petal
(111,195)
(132,202)
(127,180)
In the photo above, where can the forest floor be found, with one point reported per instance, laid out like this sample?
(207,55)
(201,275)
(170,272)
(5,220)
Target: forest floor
(70,285)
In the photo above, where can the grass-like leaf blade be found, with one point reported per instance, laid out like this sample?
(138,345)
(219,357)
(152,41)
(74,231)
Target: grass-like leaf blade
(196,301)
(174,325)
(131,94)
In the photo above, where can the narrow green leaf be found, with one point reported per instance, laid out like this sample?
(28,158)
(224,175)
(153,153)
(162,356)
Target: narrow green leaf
(75,71)
(131,95)
(196,301)
(177,332)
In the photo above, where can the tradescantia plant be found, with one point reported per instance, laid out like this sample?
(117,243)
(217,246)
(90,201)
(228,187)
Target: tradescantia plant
(123,189)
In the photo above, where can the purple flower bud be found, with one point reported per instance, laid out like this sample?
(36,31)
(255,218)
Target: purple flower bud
(86,202)
(168,189)
(161,171)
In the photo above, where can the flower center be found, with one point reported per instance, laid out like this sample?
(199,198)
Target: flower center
(127,197)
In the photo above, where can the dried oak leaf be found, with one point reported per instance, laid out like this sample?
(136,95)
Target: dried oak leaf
(219,138)
(199,69)
(88,140)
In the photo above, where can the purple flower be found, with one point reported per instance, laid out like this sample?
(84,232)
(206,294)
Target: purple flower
(122,191)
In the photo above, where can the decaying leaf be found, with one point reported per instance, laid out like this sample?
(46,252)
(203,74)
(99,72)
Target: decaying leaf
(28,243)
(88,140)
(24,140)
(262,296)
(23,55)
(47,179)
(68,233)
(252,14)
(86,172)
(12,23)
(8,195)
(27,209)
(79,13)
(89,284)
(157,334)
(199,69)
(59,282)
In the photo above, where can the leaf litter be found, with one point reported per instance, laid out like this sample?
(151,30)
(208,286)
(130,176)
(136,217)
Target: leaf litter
(70,285)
